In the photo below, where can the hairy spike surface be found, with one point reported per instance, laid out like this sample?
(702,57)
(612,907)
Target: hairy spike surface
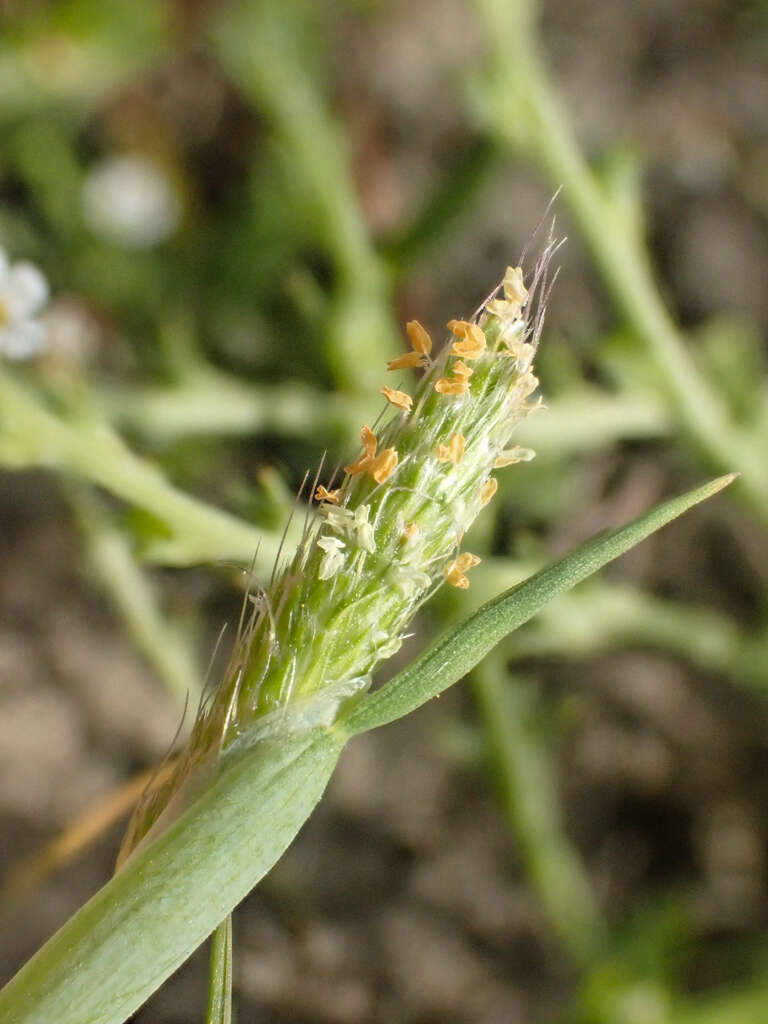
(381,543)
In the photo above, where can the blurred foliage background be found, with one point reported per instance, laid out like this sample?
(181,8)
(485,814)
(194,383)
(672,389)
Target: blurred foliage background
(236,205)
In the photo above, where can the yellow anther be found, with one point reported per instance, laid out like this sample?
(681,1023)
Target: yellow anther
(473,344)
(515,296)
(332,497)
(514,289)
(448,386)
(453,451)
(407,361)
(369,443)
(398,398)
(466,329)
(454,571)
(456,385)
(419,338)
(383,466)
(467,561)
(469,349)
(488,490)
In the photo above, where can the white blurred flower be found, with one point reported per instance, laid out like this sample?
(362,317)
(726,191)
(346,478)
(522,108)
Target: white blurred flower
(23,293)
(128,200)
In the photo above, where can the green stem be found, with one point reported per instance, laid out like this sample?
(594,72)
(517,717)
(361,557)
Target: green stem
(33,435)
(219,1010)
(211,403)
(608,616)
(258,43)
(133,596)
(528,789)
(524,111)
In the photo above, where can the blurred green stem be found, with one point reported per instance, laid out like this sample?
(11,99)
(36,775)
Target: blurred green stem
(604,616)
(32,435)
(209,402)
(259,43)
(212,403)
(528,789)
(132,594)
(521,108)
(219,1010)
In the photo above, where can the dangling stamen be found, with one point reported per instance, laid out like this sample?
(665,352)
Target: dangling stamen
(419,338)
(454,571)
(332,497)
(398,398)
(461,370)
(369,443)
(406,362)
(474,342)
(488,490)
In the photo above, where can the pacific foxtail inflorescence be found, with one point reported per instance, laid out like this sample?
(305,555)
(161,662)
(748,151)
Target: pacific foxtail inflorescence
(382,541)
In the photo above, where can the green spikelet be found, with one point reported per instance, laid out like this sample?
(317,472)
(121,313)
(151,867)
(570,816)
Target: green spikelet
(381,543)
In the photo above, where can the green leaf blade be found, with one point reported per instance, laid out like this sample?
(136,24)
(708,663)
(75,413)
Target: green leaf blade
(457,653)
(117,949)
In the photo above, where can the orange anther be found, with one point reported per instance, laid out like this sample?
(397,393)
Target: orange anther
(332,497)
(461,370)
(383,466)
(474,343)
(455,578)
(488,490)
(453,451)
(419,338)
(463,328)
(406,362)
(454,571)
(469,349)
(398,398)
(369,443)
(447,386)
(467,561)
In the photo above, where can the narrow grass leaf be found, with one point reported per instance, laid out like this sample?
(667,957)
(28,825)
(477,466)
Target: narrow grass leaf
(459,651)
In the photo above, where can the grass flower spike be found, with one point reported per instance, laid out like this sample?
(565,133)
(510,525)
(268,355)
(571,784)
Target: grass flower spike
(384,539)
